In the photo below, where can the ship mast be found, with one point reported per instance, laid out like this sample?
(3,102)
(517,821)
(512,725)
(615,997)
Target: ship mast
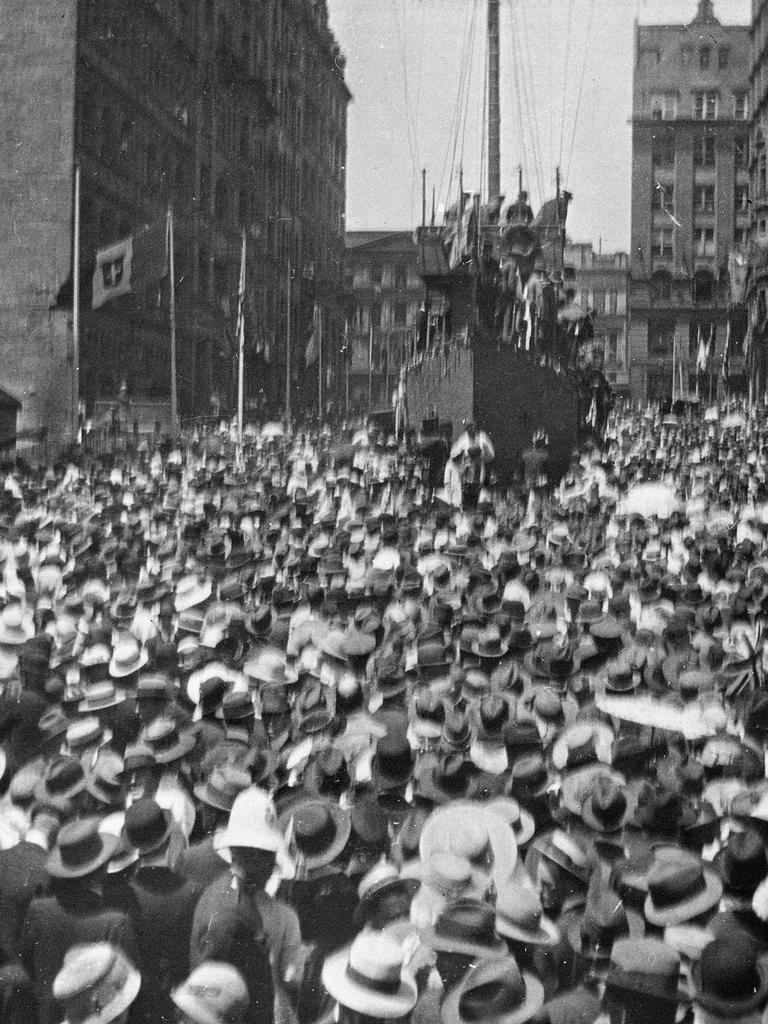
(494,110)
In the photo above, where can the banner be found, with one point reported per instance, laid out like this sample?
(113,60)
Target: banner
(131,265)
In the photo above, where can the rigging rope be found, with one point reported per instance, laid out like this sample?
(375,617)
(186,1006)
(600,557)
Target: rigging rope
(410,128)
(455,122)
(581,86)
(528,98)
(565,78)
(521,133)
(468,93)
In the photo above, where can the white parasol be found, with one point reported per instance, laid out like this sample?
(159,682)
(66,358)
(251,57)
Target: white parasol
(692,720)
(650,499)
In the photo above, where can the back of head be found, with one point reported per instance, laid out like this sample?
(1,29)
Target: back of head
(238,939)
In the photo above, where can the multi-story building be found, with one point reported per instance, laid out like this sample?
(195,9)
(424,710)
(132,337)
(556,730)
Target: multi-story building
(757,296)
(690,194)
(600,283)
(233,113)
(384,295)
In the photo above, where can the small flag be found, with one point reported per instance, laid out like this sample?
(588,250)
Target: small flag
(311,352)
(112,274)
(702,355)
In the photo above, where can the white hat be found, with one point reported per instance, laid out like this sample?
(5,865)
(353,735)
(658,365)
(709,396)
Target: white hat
(367,977)
(252,823)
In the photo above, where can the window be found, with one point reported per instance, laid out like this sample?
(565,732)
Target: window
(686,55)
(704,58)
(741,238)
(741,106)
(704,198)
(660,340)
(723,53)
(401,276)
(400,314)
(662,241)
(703,286)
(648,59)
(584,299)
(663,106)
(704,151)
(598,302)
(741,152)
(613,301)
(663,197)
(705,241)
(663,151)
(741,198)
(612,347)
(705,106)
(661,282)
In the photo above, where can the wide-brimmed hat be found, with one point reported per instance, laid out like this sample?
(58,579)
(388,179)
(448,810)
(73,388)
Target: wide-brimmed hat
(496,991)
(269,666)
(80,850)
(604,920)
(444,777)
(468,828)
(127,657)
(96,984)
(383,892)
(320,829)
(222,786)
(729,980)
(104,779)
(64,779)
(192,591)
(367,977)
(565,852)
(99,697)
(16,626)
(466,925)
(214,993)
(584,741)
(519,916)
(607,807)
(166,742)
(680,887)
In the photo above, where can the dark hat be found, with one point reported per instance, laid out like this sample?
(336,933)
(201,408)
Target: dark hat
(147,826)
(606,808)
(80,850)
(223,785)
(370,823)
(728,980)
(392,764)
(742,863)
(321,829)
(467,926)
(445,777)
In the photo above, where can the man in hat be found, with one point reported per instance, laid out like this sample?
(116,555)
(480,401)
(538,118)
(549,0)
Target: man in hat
(253,844)
(97,984)
(75,912)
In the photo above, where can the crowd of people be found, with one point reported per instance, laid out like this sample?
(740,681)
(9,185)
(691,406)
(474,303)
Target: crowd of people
(292,733)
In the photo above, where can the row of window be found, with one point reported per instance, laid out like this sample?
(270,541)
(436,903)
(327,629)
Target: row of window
(663,198)
(704,151)
(707,58)
(398,276)
(661,339)
(663,241)
(705,106)
(610,302)
(703,285)
(385,314)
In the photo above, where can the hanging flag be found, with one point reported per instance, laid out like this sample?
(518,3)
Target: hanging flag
(738,266)
(592,414)
(701,354)
(724,369)
(131,264)
(311,352)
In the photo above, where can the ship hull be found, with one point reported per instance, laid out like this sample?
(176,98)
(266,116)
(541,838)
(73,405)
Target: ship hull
(506,393)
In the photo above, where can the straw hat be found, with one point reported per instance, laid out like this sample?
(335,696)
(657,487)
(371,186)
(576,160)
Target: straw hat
(96,984)
(496,991)
(367,977)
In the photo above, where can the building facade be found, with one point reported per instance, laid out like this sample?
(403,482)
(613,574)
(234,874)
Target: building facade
(600,284)
(384,296)
(690,197)
(230,112)
(757,293)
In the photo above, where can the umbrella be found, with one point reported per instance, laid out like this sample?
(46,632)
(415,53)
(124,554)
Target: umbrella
(650,499)
(692,720)
(734,421)
(272,430)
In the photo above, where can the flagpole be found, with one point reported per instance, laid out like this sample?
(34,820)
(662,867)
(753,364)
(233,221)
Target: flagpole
(241,344)
(346,368)
(319,366)
(76,305)
(288,356)
(370,365)
(172,313)
(674,364)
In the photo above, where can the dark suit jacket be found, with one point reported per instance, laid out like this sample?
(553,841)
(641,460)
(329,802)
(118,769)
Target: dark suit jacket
(54,924)
(22,877)
(201,864)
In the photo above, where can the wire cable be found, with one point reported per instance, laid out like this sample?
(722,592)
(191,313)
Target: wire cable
(565,78)
(581,86)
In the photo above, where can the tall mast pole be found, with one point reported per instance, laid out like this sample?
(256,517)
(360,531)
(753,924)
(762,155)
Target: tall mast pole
(494,110)
(288,354)
(172,315)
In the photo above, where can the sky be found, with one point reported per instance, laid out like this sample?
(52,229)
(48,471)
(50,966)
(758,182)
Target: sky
(416,70)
